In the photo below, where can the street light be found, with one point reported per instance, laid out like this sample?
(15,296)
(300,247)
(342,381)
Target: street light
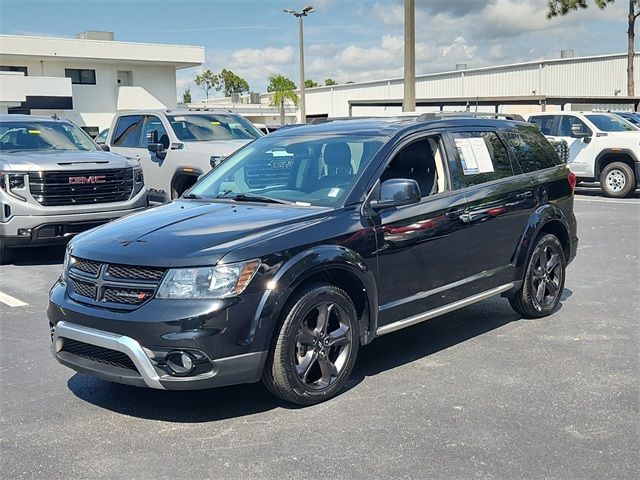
(299,15)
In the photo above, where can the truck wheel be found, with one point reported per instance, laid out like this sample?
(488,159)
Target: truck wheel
(543,281)
(315,348)
(617,180)
(5,253)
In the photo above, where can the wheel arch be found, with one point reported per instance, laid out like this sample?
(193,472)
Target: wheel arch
(610,155)
(331,264)
(184,173)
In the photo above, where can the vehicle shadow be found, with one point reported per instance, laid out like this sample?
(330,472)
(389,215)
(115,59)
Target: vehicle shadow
(384,354)
(45,255)
(594,190)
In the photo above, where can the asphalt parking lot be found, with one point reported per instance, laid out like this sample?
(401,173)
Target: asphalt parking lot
(478,393)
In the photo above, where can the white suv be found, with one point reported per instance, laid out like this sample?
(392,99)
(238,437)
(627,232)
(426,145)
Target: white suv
(175,147)
(602,147)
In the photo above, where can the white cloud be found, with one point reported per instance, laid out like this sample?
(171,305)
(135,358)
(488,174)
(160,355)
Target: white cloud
(250,57)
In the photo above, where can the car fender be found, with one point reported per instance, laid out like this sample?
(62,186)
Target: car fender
(542,216)
(612,151)
(303,266)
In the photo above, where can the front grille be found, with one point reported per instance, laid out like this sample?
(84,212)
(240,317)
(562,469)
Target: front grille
(128,296)
(88,266)
(81,187)
(98,354)
(135,273)
(84,289)
(111,285)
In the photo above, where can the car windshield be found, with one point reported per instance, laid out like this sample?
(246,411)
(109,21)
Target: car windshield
(44,136)
(207,127)
(317,170)
(611,123)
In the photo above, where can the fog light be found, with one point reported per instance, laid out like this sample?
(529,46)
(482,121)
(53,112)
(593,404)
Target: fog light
(180,363)
(24,231)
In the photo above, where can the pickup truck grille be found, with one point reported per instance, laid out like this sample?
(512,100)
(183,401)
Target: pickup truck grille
(112,285)
(81,187)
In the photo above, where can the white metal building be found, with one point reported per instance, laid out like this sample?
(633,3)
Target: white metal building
(87,78)
(594,76)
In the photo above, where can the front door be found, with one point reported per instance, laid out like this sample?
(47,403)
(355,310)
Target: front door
(580,154)
(422,247)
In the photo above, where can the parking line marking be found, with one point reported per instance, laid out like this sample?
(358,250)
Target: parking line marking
(11,301)
(602,200)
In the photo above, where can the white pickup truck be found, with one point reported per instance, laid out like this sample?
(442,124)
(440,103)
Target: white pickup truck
(602,147)
(175,147)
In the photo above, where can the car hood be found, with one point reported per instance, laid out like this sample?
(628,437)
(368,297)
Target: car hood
(190,232)
(66,160)
(222,148)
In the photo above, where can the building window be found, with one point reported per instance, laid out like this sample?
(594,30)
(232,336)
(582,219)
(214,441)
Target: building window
(80,77)
(8,68)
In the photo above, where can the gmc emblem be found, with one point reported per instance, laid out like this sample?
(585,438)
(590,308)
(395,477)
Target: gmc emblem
(92,179)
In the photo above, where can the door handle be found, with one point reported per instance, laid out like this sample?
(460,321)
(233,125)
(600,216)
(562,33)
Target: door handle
(455,213)
(524,195)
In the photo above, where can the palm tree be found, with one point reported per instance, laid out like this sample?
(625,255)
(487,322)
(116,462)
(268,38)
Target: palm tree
(283,89)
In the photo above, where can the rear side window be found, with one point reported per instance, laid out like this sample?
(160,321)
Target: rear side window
(481,157)
(532,151)
(128,131)
(545,123)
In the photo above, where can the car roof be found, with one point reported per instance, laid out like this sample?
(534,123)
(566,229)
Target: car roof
(571,112)
(26,118)
(382,126)
(182,111)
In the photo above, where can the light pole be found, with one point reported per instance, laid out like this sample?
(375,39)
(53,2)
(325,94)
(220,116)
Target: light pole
(299,15)
(409,103)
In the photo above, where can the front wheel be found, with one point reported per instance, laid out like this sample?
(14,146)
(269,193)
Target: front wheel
(617,180)
(543,281)
(316,346)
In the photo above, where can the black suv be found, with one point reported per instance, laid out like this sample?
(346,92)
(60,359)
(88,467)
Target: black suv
(310,242)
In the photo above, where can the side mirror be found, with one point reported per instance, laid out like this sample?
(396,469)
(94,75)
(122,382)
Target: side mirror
(397,192)
(152,136)
(155,147)
(577,132)
(105,147)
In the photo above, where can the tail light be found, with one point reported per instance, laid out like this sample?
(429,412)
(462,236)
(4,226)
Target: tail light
(573,180)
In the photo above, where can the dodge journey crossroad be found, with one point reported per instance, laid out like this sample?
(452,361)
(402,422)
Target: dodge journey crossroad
(311,242)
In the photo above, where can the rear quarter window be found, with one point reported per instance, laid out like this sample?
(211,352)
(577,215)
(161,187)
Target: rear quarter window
(532,151)
(480,157)
(544,123)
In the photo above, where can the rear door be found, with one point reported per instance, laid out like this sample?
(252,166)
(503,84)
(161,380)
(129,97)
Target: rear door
(500,201)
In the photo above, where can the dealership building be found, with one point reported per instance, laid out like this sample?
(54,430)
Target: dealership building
(88,78)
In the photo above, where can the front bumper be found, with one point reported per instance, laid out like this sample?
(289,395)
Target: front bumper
(130,347)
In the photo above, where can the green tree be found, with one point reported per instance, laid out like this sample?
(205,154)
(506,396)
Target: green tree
(230,83)
(207,80)
(283,89)
(310,83)
(329,82)
(563,7)
(186,96)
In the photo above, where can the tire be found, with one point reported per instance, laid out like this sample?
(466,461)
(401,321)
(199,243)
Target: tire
(5,253)
(301,368)
(618,180)
(542,288)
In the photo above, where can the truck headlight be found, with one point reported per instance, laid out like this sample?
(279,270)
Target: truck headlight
(221,281)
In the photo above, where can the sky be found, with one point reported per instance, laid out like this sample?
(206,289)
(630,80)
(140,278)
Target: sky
(346,40)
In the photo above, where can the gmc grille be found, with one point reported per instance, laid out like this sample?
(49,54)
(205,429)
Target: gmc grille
(94,186)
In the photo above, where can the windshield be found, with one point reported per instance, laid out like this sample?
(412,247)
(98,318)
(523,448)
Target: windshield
(207,127)
(303,169)
(611,123)
(45,136)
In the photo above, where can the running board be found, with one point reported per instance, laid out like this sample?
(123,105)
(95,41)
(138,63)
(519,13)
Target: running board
(407,322)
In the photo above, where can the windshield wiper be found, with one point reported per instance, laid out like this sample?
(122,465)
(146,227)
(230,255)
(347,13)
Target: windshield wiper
(251,197)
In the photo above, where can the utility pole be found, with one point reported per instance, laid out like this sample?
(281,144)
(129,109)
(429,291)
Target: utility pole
(299,15)
(409,103)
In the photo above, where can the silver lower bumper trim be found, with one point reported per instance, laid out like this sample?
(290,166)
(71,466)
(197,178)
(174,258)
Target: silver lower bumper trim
(421,317)
(112,341)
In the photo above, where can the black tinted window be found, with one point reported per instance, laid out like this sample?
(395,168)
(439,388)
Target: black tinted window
(482,157)
(532,151)
(154,123)
(545,123)
(128,131)
(80,77)
(567,121)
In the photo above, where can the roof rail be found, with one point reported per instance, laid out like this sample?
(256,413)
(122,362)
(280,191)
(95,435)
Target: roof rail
(506,116)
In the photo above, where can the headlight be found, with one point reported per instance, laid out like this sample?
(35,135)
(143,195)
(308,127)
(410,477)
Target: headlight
(66,264)
(221,281)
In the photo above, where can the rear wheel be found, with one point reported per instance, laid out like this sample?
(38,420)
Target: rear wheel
(543,281)
(316,346)
(617,179)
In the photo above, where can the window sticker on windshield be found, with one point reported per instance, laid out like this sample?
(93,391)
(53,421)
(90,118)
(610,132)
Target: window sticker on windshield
(34,132)
(215,123)
(334,192)
(474,155)
(179,119)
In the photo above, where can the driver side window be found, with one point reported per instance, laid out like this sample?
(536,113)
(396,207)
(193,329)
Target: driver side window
(152,123)
(567,121)
(422,161)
